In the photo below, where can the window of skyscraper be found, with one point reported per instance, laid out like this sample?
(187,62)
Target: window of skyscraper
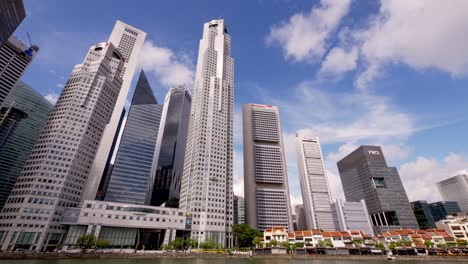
(378,182)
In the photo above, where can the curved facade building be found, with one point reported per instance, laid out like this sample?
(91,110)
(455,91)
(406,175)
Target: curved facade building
(131,179)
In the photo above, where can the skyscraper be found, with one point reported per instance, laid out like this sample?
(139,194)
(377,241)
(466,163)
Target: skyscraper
(207,188)
(455,189)
(239,210)
(314,184)
(57,169)
(10,116)
(170,148)
(349,216)
(128,41)
(365,175)
(132,178)
(16,151)
(300,217)
(423,214)
(440,210)
(11,14)
(266,189)
(15,57)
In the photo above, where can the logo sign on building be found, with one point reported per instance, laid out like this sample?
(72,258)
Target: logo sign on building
(374,152)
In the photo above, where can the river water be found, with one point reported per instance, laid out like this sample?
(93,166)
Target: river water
(216,261)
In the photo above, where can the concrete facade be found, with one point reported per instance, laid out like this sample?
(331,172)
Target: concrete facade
(207,183)
(314,184)
(352,216)
(266,189)
(455,189)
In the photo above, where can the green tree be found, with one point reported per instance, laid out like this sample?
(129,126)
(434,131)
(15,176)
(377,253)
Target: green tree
(428,244)
(209,244)
(101,243)
(273,243)
(380,246)
(178,243)
(392,245)
(293,247)
(462,243)
(358,242)
(321,243)
(442,245)
(244,235)
(299,245)
(86,242)
(328,242)
(256,241)
(285,244)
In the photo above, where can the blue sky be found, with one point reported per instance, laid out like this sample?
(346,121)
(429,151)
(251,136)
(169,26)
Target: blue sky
(393,73)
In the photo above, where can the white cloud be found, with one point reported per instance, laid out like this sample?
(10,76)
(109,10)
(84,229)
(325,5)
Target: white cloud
(59,85)
(339,61)
(420,34)
(238,173)
(52,97)
(420,176)
(304,36)
(170,69)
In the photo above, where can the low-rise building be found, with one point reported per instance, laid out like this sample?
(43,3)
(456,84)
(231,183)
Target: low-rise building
(456,226)
(124,225)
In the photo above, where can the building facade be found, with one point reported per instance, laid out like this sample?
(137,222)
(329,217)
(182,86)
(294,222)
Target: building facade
(10,117)
(300,217)
(132,175)
(352,216)
(423,214)
(15,57)
(314,184)
(441,210)
(266,189)
(128,41)
(11,14)
(170,147)
(123,225)
(15,152)
(456,226)
(207,184)
(57,169)
(239,210)
(365,176)
(455,189)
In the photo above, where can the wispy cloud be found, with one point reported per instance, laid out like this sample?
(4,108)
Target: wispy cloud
(52,97)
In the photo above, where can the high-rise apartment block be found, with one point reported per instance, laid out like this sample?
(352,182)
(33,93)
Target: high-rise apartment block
(239,210)
(56,173)
(15,152)
(11,14)
(267,201)
(207,187)
(132,175)
(314,184)
(128,40)
(365,176)
(351,216)
(300,217)
(170,147)
(455,189)
(15,57)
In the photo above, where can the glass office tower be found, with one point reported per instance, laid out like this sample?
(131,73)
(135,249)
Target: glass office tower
(131,179)
(11,14)
(16,151)
(170,148)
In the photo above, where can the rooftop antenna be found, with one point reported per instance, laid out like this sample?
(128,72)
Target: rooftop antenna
(29,38)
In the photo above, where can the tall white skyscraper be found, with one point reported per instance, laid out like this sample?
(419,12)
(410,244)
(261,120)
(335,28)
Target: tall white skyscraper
(128,41)
(207,188)
(266,189)
(56,172)
(314,184)
(455,189)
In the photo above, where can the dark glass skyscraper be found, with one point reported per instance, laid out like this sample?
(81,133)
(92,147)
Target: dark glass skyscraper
(423,214)
(131,180)
(365,175)
(170,149)
(440,210)
(11,14)
(10,116)
(16,151)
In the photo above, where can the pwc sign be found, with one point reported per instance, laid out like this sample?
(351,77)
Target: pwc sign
(373,152)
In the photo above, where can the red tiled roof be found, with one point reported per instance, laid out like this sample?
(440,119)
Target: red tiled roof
(316,232)
(331,234)
(307,233)
(298,233)
(278,228)
(290,235)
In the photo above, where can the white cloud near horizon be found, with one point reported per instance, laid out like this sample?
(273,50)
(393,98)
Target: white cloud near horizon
(169,68)
(52,97)
(420,176)
(303,37)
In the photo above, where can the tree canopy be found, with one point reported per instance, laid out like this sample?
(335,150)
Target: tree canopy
(244,235)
